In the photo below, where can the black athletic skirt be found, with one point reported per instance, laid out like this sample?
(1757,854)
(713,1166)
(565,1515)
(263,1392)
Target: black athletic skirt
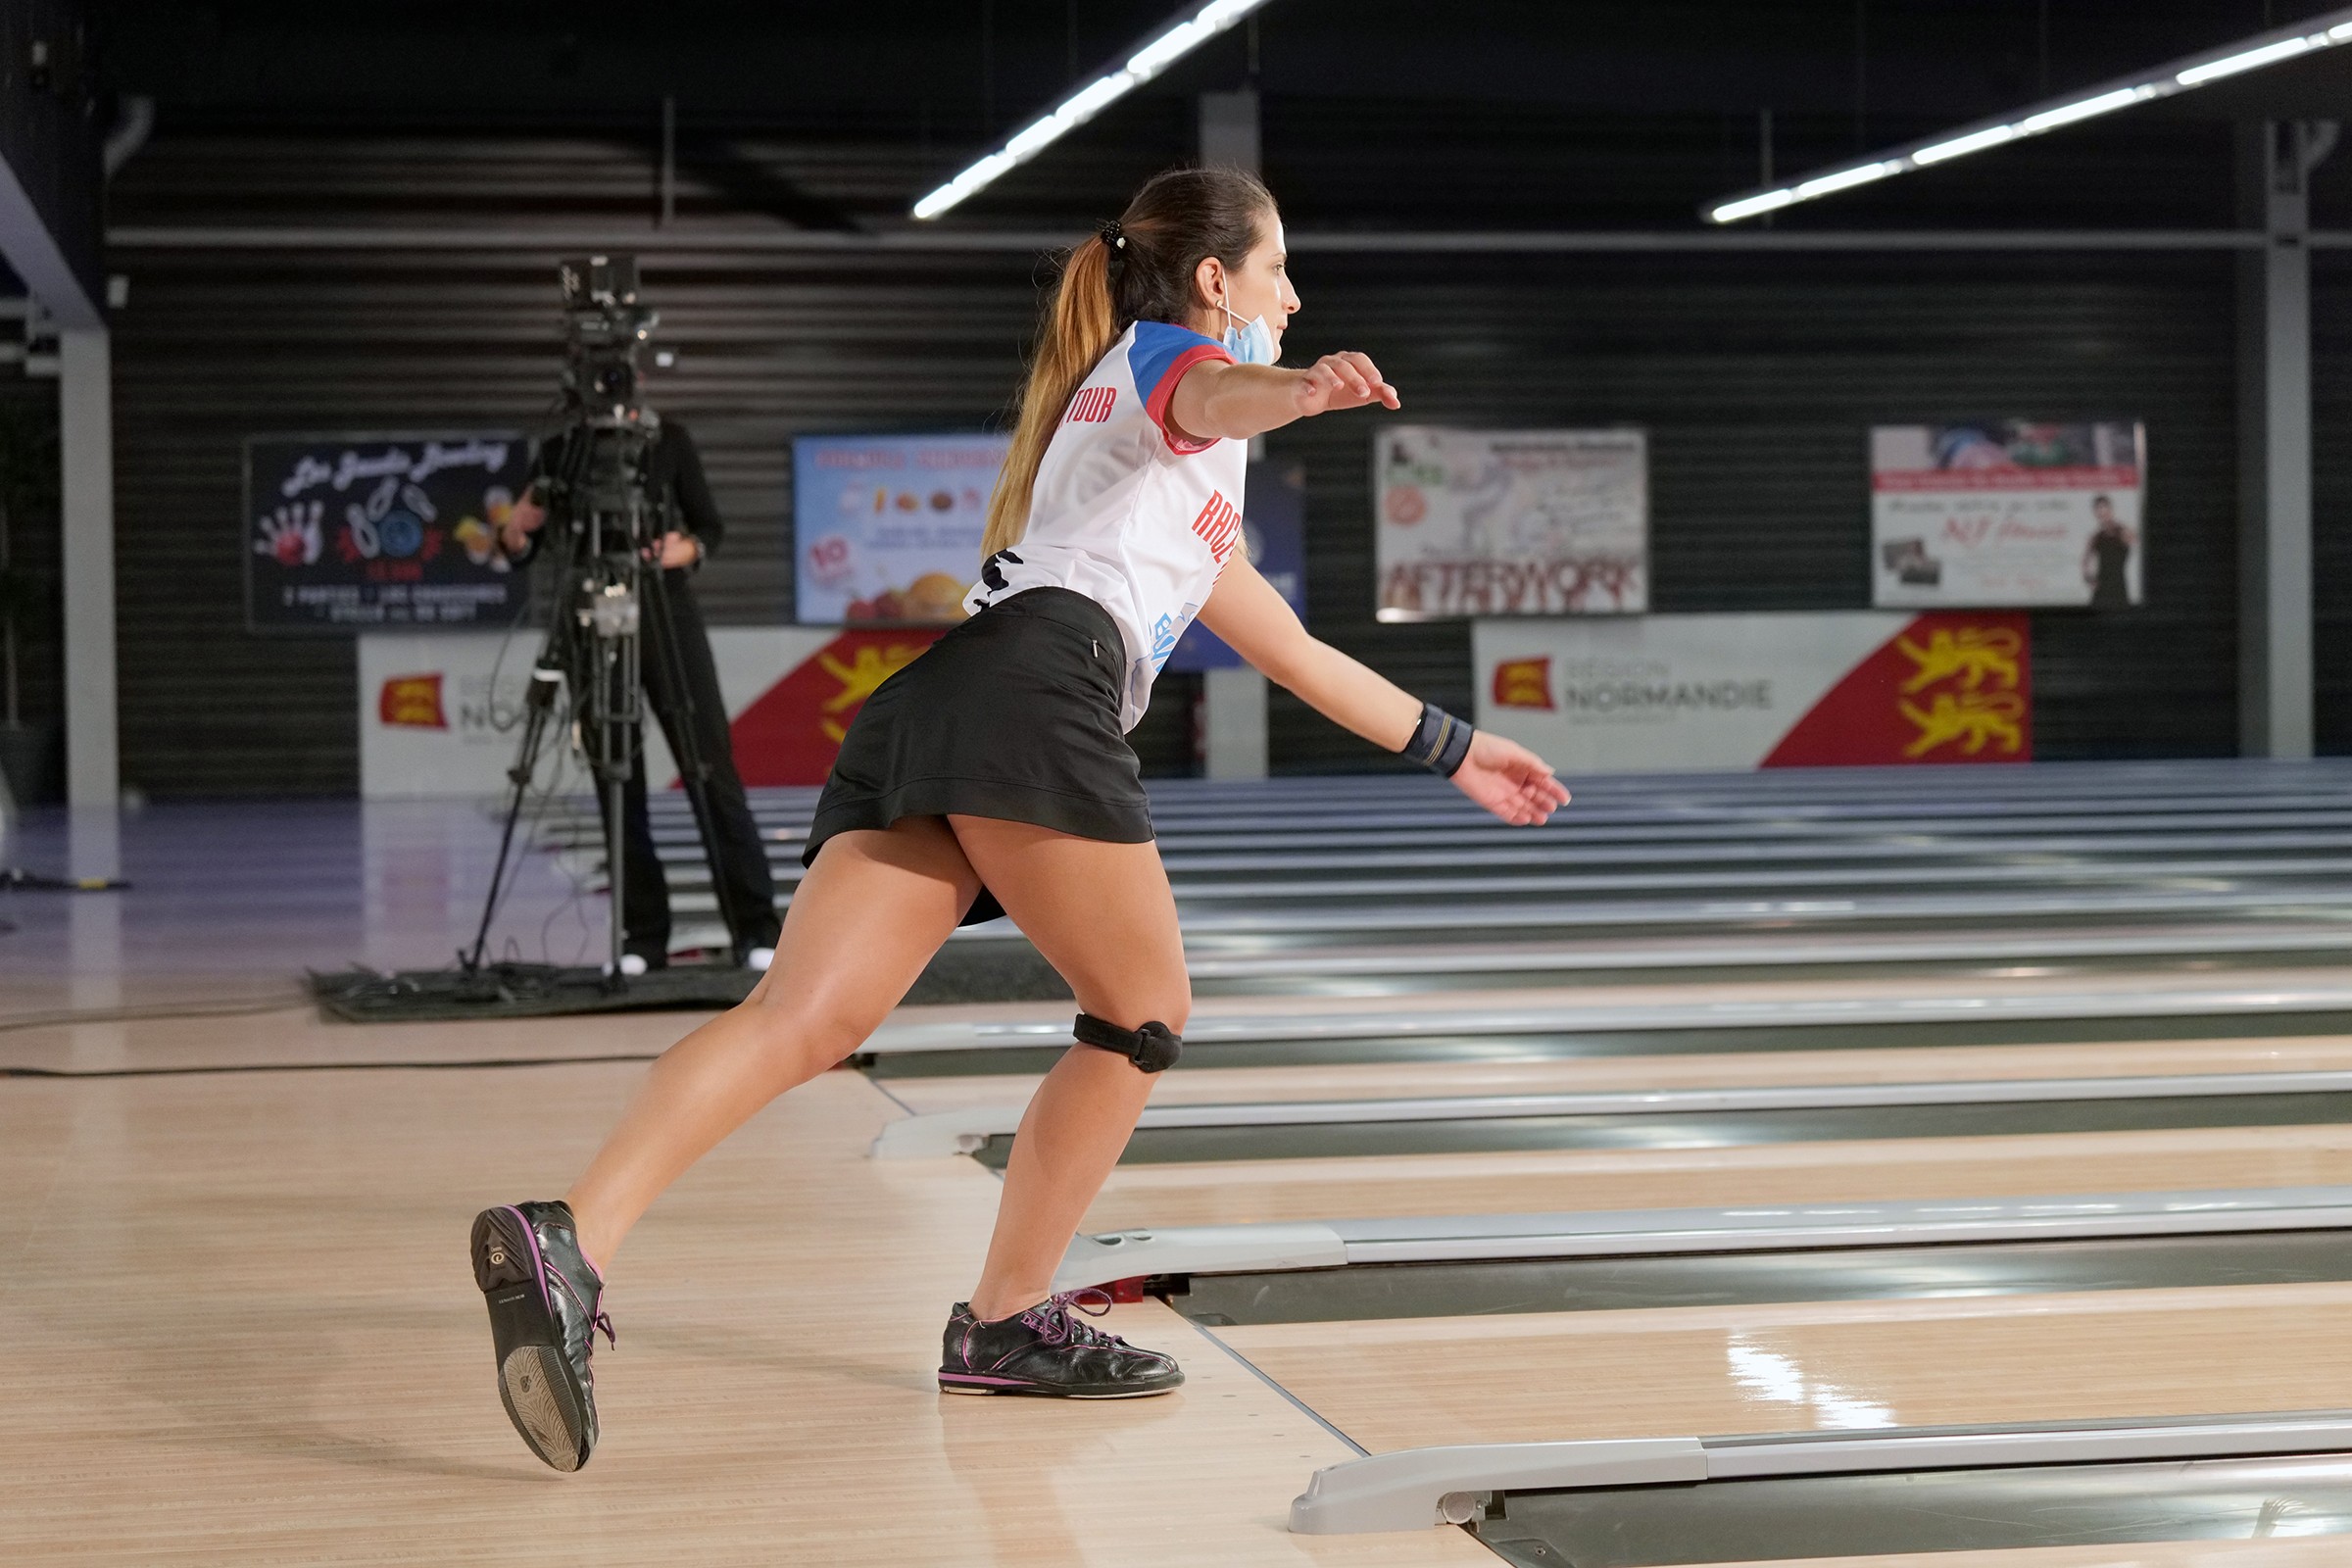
(1012,714)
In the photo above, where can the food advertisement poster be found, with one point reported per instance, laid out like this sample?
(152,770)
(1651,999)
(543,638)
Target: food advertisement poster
(886,528)
(2007,513)
(351,532)
(1510,523)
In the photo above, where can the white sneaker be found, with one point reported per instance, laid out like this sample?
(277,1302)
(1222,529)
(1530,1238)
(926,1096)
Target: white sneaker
(759,959)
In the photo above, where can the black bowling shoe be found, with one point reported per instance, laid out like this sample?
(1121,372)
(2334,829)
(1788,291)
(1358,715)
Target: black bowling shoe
(543,1296)
(1052,1350)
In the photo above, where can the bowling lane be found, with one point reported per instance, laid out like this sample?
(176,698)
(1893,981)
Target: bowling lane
(1815,1367)
(1215,1086)
(1241,1192)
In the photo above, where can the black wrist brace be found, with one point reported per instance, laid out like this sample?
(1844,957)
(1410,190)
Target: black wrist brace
(1440,742)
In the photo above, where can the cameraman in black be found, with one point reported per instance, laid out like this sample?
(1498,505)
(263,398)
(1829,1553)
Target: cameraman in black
(681,686)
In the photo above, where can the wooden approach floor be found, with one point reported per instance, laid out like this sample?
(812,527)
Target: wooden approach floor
(236,1327)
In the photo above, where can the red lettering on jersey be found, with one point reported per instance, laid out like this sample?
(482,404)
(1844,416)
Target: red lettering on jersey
(1092,406)
(1218,525)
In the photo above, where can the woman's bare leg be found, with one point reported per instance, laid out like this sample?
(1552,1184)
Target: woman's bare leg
(1104,916)
(867,917)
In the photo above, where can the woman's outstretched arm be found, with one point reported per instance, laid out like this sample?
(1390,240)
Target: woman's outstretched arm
(1501,775)
(1217,402)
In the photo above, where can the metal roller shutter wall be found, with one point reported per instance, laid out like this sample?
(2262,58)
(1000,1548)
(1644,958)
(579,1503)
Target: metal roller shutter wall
(1756,377)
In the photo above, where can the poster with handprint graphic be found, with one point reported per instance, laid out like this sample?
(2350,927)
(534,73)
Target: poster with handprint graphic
(347,532)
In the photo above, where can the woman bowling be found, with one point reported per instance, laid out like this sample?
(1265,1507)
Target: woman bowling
(993,776)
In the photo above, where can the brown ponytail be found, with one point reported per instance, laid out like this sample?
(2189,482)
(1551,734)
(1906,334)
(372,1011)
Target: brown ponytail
(1078,330)
(1176,221)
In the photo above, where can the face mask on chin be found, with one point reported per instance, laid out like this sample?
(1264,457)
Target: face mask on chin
(1249,342)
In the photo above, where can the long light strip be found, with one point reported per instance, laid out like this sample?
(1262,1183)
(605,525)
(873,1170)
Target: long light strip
(2325,31)
(1181,37)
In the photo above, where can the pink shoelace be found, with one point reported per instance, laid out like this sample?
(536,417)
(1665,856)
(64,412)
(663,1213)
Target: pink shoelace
(1057,1317)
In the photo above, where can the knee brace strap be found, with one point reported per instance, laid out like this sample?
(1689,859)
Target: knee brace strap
(1153,1048)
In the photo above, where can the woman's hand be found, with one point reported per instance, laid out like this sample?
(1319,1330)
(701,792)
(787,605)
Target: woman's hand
(1341,381)
(1509,780)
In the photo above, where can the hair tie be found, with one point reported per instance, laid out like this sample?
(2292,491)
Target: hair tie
(1114,236)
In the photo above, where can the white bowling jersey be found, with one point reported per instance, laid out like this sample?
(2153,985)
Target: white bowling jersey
(1126,511)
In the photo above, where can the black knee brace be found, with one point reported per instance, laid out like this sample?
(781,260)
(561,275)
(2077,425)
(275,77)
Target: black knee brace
(1153,1048)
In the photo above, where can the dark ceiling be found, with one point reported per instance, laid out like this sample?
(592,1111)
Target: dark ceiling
(1513,112)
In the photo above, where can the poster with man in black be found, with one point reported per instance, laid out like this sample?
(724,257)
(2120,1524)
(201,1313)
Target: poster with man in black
(345,532)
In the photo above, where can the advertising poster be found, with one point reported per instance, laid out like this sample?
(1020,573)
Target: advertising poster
(440,712)
(2006,511)
(1668,693)
(346,531)
(1510,523)
(886,528)
(1274,529)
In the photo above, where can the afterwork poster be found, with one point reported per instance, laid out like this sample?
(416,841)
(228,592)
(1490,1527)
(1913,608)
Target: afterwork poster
(2006,512)
(1852,688)
(347,532)
(1510,523)
(886,528)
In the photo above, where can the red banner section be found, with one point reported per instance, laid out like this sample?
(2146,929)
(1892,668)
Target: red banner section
(792,731)
(1947,688)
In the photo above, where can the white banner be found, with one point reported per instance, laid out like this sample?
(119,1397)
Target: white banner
(440,712)
(1512,522)
(1667,693)
(2006,512)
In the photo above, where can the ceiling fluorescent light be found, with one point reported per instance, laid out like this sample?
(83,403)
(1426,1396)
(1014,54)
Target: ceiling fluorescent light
(1146,63)
(1846,179)
(2325,31)
(2283,49)
(1976,141)
(2106,103)
(1750,206)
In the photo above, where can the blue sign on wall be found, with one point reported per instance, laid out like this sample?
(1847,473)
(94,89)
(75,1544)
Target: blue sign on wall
(1274,522)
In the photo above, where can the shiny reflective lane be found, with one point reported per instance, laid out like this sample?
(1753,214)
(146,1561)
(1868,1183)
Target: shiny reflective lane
(1241,1192)
(1715,1371)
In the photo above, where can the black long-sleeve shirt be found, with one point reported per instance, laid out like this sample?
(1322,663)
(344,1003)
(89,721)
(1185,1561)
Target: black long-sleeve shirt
(675,473)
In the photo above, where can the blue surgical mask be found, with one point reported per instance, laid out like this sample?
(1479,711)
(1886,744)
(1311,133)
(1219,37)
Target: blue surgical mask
(1249,342)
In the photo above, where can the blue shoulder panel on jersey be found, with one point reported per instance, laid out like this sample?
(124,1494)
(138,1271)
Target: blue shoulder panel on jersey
(1159,350)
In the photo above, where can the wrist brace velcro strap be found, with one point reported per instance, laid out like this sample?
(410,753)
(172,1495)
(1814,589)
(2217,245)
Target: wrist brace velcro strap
(1153,1048)
(1440,742)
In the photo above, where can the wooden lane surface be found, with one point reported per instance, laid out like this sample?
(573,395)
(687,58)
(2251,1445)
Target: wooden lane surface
(236,1326)
(1906,1064)
(294,1037)
(2024,1165)
(1816,1366)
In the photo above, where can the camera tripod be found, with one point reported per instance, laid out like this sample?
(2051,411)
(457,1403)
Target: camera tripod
(610,613)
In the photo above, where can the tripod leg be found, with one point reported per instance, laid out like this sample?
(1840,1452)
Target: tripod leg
(538,702)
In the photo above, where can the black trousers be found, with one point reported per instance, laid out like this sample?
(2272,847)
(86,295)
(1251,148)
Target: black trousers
(681,687)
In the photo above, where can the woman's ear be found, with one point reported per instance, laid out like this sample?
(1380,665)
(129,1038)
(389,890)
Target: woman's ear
(1209,282)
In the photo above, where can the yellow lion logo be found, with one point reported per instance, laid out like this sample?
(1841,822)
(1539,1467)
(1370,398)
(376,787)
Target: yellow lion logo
(1975,719)
(1974,653)
(860,678)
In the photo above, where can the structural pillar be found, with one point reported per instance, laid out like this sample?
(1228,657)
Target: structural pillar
(2275,548)
(1232,700)
(86,452)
